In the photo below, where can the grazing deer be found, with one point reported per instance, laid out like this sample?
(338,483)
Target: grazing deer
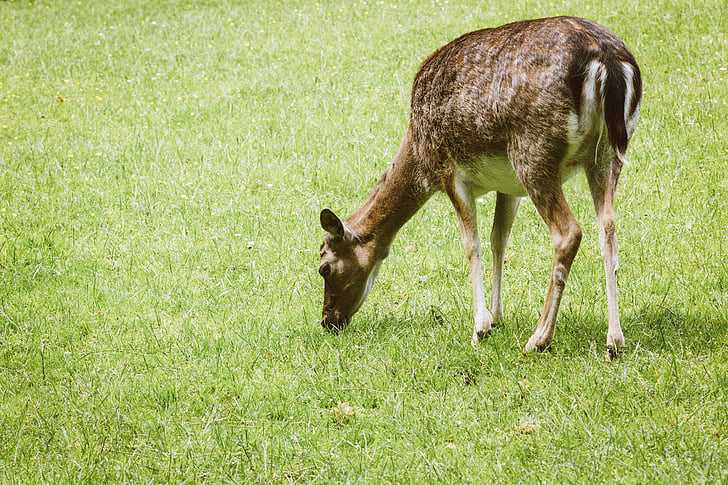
(517,110)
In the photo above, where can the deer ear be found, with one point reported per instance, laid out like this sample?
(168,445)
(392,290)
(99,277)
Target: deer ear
(331,223)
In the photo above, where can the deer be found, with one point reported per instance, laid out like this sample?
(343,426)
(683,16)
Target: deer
(517,110)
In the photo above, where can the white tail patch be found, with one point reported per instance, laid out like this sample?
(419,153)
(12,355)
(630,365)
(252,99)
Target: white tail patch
(629,82)
(630,122)
(628,95)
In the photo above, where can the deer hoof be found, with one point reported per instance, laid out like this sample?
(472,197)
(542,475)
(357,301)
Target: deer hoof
(536,343)
(480,335)
(615,345)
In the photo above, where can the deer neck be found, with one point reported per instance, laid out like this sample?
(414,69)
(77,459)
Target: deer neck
(398,195)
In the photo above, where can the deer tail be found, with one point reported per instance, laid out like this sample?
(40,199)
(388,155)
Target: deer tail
(621,99)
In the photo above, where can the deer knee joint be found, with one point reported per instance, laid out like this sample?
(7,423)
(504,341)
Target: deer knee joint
(568,244)
(471,247)
(609,228)
(560,275)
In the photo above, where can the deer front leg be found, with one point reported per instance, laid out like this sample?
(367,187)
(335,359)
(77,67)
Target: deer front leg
(464,203)
(506,207)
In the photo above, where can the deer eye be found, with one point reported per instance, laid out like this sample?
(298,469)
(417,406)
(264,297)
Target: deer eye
(325,270)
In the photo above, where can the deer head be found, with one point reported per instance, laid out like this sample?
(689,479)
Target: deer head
(349,267)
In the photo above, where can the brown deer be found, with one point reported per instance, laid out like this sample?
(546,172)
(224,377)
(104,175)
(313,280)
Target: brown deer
(517,110)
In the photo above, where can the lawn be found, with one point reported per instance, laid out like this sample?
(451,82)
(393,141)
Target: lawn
(162,168)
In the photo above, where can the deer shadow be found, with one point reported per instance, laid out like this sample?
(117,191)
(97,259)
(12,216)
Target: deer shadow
(656,329)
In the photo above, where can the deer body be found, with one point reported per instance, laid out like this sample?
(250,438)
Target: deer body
(515,110)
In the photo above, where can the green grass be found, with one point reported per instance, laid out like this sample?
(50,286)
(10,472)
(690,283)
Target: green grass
(162,166)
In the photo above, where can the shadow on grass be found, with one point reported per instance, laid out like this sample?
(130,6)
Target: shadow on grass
(660,329)
(655,329)
(387,324)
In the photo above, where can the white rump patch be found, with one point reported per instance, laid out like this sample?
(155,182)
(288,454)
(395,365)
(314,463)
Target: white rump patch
(589,92)
(579,124)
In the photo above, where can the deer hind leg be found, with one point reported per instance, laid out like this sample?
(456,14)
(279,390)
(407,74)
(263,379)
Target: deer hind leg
(506,207)
(464,202)
(566,236)
(603,183)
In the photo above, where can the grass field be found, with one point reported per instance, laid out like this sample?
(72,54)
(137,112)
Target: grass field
(162,167)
